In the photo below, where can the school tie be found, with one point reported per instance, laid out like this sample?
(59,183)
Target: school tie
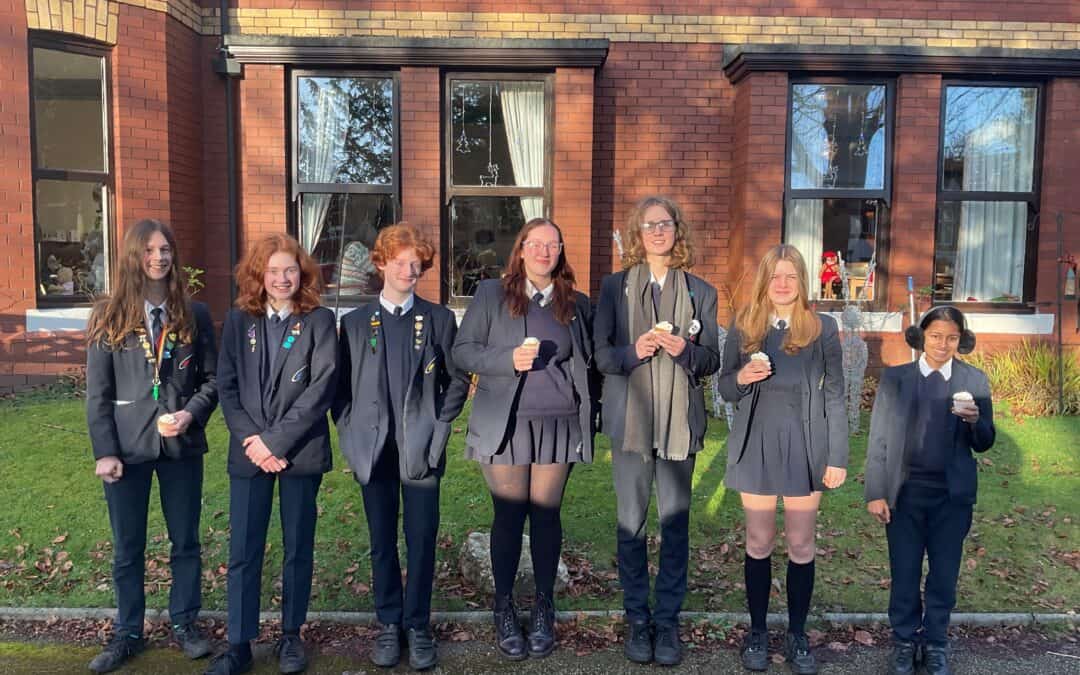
(398,311)
(781,324)
(656,291)
(156,325)
(275,320)
(538,298)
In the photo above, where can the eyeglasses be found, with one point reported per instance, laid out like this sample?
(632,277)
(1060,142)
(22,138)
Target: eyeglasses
(658,226)
(535,247)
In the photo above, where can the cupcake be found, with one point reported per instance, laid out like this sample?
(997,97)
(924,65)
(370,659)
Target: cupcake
(663,327)
(165,422)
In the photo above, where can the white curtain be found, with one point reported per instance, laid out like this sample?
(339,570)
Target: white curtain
(992,242)
(322,158)
(523,117)
(804,231)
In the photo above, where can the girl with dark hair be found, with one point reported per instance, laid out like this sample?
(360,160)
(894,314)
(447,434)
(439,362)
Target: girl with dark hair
(527,337)
(921,479)
(782,367)
(398,392)
(277,373)
(150,389)
(656,342)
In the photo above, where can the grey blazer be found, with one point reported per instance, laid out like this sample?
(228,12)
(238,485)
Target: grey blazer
(485,342)
(824,414)
(434,396)
(894,411)
(616,357)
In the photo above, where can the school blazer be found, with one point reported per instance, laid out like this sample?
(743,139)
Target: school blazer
(484,346)
(616,357)
(434,395)
(824,412)
(121,412)
(891,420)
(290,414)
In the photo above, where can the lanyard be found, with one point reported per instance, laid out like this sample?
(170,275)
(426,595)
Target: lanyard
(159,354)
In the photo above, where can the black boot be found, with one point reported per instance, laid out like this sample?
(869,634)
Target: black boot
(936,660)
(509,639)
(902,661)
(542,621)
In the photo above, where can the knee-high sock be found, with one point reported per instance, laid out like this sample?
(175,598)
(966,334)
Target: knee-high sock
(800,588)
(758,572)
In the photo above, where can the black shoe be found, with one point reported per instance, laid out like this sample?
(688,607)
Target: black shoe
(230,663)
(191,640)
(387,650)
(936,660)
(755,651)
(798,655)
(509,639)
(423,653)
(902,661)
(290,653)
(668,649)
(119,649)
(542,627)
(638,644)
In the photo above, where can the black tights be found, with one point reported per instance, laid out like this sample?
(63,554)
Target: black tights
(534,491)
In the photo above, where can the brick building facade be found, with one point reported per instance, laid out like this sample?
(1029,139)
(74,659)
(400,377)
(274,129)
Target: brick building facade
(751,114)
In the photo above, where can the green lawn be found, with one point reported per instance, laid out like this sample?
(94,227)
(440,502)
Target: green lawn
(1023,553)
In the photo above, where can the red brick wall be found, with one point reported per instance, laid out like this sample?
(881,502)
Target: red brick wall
(264,188)
(984,10)
(421,164)
(1061,166)
(572,193)
(758,181)
(214,168)
(662,124)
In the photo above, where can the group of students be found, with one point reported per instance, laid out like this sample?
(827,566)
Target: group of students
(548,371)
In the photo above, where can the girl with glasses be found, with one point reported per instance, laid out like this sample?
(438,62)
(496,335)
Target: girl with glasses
(527,338)
(656,342)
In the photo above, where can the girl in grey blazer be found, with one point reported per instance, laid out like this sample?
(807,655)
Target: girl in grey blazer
(150,390)
(527,338)
(782,367)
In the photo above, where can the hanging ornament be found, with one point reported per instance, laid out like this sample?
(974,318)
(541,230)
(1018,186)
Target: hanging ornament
(462,144)
(860,147)
(491,178)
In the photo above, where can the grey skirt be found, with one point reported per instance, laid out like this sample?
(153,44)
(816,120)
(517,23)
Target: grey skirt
(539,440)
(776,460)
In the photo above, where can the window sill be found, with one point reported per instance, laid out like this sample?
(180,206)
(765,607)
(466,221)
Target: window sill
(57,319)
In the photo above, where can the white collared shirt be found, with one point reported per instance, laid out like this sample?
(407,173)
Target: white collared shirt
(925,369)
(774,321)
(284,312)
(389,307)
(148,308)
(531,290)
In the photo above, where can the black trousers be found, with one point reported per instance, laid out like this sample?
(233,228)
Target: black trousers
(386,490)
(180,489)
(925,522)
(250,503)
(634,477)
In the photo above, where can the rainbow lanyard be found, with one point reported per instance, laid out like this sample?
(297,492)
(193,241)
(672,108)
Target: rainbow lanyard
(160,353)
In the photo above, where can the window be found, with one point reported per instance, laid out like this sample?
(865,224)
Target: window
(988,193)
(345,173)
(498,168)
(837,184)
(72,181)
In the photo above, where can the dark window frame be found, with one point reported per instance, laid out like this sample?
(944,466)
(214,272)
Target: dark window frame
(883,195)
(1033,198)
(297,188)
(68,43)
(450,191)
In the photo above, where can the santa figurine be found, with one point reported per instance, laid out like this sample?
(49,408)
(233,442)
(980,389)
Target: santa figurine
(830,276)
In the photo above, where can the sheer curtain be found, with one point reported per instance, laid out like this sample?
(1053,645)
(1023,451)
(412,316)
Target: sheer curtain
(523,117)
(991,246)
(804,228)
(322,155)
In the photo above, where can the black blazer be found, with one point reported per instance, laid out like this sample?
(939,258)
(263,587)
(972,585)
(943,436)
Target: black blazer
(434,395)
(616,357)
(121,412)
(824,411)
(292,419)
(890,422)
(484,346)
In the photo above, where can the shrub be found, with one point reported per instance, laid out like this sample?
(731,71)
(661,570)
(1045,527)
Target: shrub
(1026,376)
